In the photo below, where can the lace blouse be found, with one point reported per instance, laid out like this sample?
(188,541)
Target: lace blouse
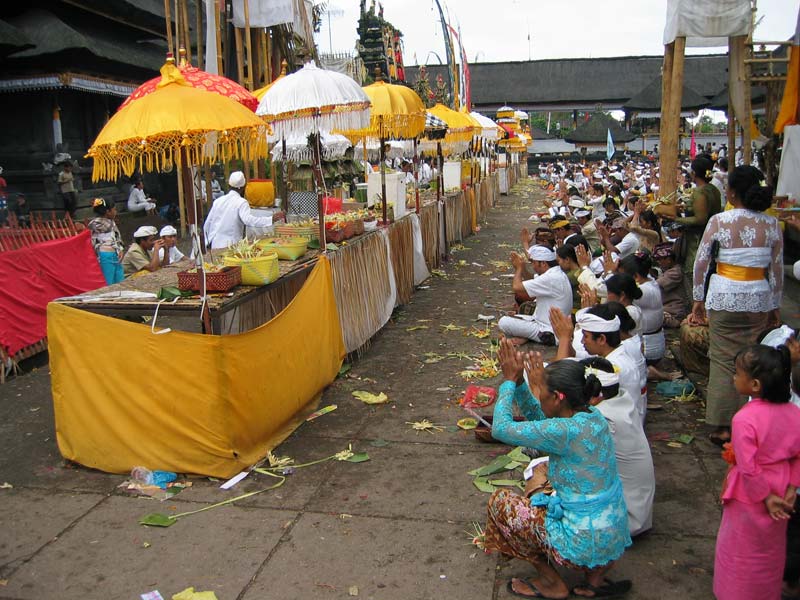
(587,521)
(746,239)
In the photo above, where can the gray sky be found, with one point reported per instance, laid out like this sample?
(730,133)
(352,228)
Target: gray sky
(498,30)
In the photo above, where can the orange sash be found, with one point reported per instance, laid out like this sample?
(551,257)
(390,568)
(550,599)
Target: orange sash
(738,273)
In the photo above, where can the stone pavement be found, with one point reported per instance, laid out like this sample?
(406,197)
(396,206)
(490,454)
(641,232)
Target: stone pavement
(392,528)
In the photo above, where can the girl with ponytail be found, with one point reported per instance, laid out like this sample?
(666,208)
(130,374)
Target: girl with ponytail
(760,490)
(582,523)
(738,287)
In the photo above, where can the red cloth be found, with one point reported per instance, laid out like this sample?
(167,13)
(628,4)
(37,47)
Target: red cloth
(33,276)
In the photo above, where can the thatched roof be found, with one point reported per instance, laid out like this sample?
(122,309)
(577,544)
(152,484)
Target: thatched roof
(12,39)
(540,134)
(578,83)
(595,131)
(649,98)
(758,95)
(57,40)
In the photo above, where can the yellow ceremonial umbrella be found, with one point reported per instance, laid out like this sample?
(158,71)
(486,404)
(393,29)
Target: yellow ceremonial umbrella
(396,113)
(176,123)
(460,126)
(259,93)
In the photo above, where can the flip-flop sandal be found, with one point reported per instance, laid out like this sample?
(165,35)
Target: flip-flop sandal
(718,440)
(536,593)
(654,406)
(610,589)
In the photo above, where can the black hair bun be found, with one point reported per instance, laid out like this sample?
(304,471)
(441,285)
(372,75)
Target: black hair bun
(758,198)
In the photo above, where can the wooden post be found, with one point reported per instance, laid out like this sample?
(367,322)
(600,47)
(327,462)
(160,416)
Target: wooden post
(249,42)
(748,113)
(220,64)
(672,90)
(237,35)
(168,18)
(187,37)
(199,34)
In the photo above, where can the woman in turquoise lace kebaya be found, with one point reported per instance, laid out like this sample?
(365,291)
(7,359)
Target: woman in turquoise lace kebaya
(583,523)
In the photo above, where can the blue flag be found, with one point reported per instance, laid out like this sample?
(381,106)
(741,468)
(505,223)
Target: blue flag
(609,145)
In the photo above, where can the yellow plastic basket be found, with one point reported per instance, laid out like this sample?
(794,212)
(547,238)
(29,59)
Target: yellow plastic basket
(286,248)
(256,271)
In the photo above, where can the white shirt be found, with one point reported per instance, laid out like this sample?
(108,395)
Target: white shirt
(629,376)
(634,459)
(425,174)
(227,218)
(628,245)
(174,255)
(137,199)
(651,306)
(551,288)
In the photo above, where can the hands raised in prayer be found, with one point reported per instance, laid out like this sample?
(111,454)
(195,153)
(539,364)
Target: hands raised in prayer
(602,230)
(561,324)
(534,368)
(588,296)
(582,255)
(511,361)
(609,264)
(517,260)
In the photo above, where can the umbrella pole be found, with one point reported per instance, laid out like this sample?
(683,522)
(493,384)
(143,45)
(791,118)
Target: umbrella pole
(284,175)
(316,159)
(181,199)
(416,175)
(186,182)
(383,180)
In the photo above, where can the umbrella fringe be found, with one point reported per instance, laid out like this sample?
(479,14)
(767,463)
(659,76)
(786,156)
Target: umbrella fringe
(157,153)
(327,118)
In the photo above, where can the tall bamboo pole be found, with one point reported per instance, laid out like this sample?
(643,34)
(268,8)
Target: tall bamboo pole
(671,114)
(248,41)
(748,114)
(220,64)
(237,36)
(177,29)
(201,62)
(168,18)
(187,38)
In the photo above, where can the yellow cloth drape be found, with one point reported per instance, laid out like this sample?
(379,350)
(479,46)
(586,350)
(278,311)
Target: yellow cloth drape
(791,93)
(187,402)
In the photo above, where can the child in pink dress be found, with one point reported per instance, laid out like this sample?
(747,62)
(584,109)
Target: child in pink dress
(761,488)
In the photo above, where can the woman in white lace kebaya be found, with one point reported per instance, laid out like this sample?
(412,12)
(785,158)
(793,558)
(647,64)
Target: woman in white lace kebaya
(743,296)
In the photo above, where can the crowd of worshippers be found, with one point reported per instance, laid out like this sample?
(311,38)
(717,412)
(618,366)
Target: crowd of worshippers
(602,277)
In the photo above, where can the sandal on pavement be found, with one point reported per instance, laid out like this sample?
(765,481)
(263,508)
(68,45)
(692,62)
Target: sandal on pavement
(718,438)
(535,592)
(609,589)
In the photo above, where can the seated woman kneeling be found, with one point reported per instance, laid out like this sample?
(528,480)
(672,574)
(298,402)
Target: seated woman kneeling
(583,525)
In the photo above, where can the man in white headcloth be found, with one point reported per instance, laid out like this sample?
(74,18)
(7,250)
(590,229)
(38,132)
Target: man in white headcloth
(142,255)
(601,337)
(550,287)
(588,228)
(632,450)
(170,237)
(226,221)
